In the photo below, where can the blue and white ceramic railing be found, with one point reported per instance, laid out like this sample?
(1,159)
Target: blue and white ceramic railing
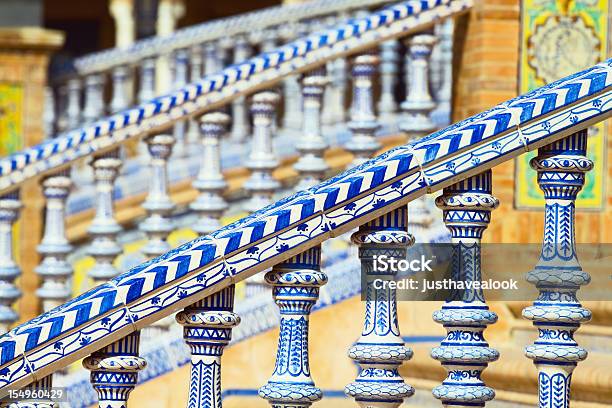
(230,37)
(198,277)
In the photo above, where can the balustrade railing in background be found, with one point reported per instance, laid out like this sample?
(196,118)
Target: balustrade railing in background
(197,279)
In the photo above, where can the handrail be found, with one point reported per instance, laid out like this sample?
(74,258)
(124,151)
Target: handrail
(208,31)
(204,266)
(213,91)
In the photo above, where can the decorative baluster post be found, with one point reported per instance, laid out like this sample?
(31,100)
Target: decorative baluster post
(240,118)
(49,113)
(54,270)
(380,350)
(94,98)
(363,124)
(210,204)
(195,59)
(158,224)
(419,103)
(387,107)
(104,228)
(262,160)
(61,107)
(442,114)
(120,99)
(292,118)
(73,107)
(114,371)
(312,145)
(296,284)
(146,89)
(557,313)
(9,270)
(212,64)
(464,353)
(207,329)
(181,62)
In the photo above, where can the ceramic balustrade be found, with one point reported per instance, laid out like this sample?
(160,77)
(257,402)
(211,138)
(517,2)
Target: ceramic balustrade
(380,350)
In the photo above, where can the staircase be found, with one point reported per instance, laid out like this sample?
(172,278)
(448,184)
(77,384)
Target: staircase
(288,237)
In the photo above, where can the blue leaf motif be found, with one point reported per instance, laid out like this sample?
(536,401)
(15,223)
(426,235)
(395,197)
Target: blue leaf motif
(252,250)
(350,206)
(282,247)
(105,321)
(379,203)
(85,341)
(302,227)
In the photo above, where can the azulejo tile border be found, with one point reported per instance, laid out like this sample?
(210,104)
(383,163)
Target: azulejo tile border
(163,111)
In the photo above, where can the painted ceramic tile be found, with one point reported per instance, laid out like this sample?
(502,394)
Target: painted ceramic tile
(559,38)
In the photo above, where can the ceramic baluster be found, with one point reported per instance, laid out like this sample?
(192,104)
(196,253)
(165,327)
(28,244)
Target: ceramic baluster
(465,353)
(296,284)
(54,270)
(557,312)
(10,205)
(104,227)
(380,350)
(207,329)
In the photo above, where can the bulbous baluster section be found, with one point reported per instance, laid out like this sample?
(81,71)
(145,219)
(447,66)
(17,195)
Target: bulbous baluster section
(363,124)
(312,145)
(419,103)
(210,204)
(120,99)
(181,63)
(240,117)
(114,371)
(443,92)
(10,205)
(207,329)
(73,104)
(104,227)
(158,224)
(54,270)
(146,91)
(94,98)
(296,284)
(380,350)
(48,117)
(262,160)
(557,313)
(195,74)
(333,106)
(212,61)
(387,107)
(464,352)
